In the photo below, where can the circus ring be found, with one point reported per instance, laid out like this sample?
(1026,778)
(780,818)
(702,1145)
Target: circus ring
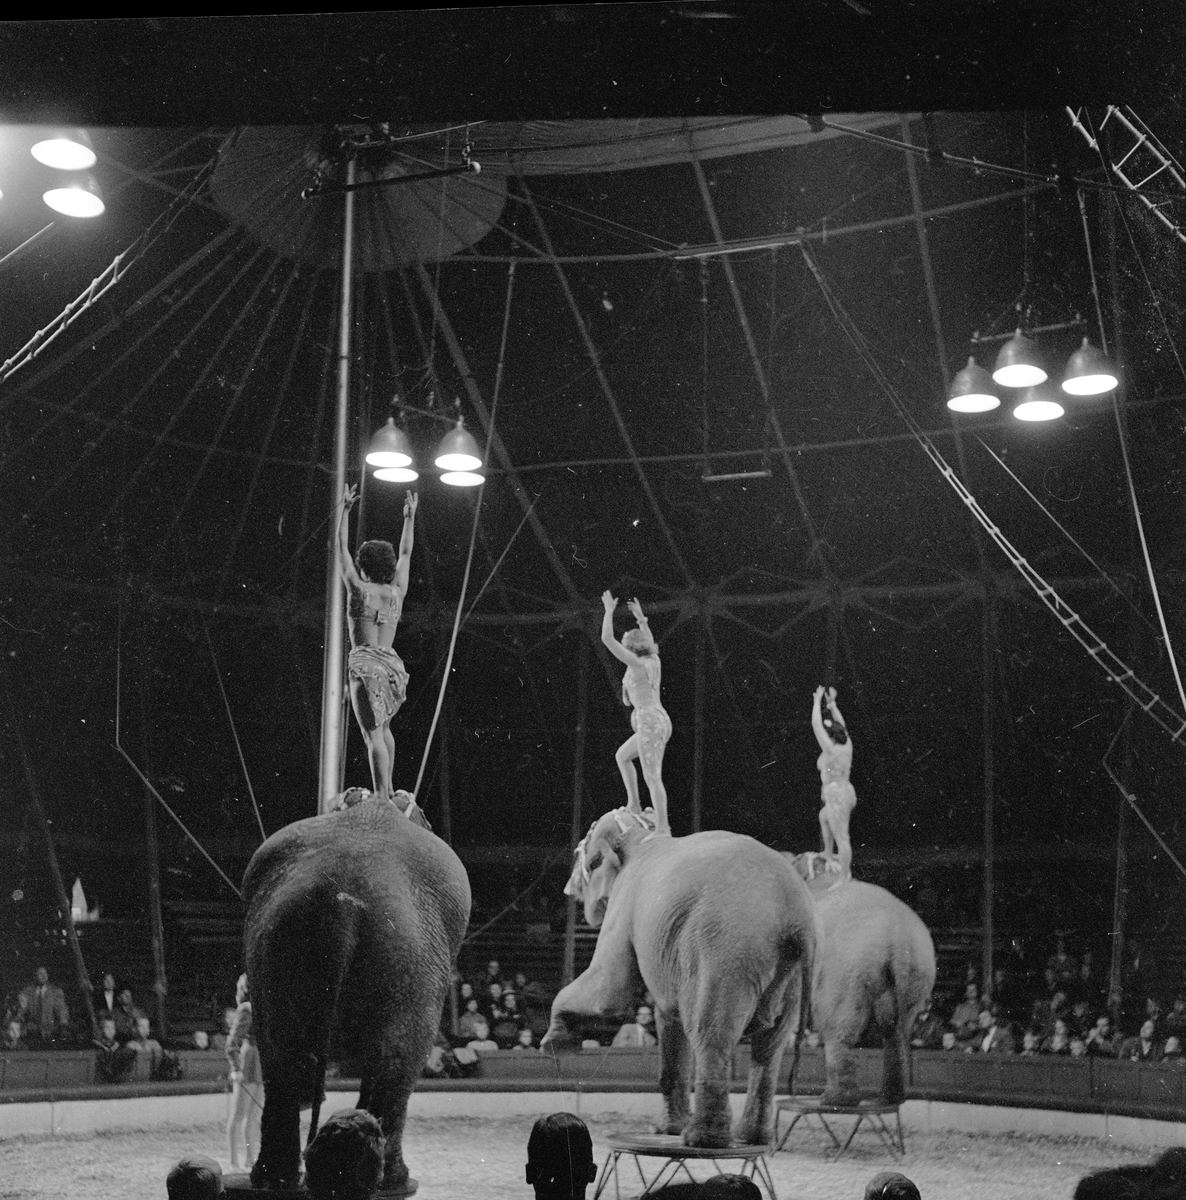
(1035,1124)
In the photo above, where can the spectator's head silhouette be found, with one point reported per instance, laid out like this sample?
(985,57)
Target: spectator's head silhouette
(719,1187)
(891,1185)
(345,1160)
(560,1157)
(194,1179)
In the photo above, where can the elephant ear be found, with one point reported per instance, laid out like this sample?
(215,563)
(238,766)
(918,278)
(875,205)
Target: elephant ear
(604,874)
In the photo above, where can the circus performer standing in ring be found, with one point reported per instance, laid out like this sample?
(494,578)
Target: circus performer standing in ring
(375,585)
(835,764)
(649,720)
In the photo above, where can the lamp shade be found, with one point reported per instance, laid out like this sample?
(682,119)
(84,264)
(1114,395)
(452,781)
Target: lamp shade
(1036,404)
(458,451)
(1019,364)
(65,150)
(397,474)
(1089,372)
(389,447)
(78,197)
(971,390)
(462,478)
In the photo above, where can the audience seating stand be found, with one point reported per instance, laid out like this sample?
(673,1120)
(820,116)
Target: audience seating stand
(871,1113)
(675,1158)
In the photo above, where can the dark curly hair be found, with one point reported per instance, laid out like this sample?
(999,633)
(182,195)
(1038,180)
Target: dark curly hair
(378,560)
(560,1152)
(345,1160)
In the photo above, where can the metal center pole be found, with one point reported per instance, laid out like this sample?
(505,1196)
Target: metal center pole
(333,668)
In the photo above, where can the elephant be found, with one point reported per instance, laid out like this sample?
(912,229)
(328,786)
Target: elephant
(723,933)
(354,920)
(877,962)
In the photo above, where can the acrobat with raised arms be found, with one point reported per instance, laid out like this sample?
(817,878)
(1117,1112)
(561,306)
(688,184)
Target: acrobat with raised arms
(835,764)
(376,581)
(649,720)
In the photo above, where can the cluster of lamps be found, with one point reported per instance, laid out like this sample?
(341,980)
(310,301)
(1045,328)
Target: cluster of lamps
(76,193)
(1089,372)
(458,457)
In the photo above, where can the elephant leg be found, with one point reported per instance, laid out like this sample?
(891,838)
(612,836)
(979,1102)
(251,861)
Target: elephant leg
(385,1096)
(673,1073)
(893,1079)
(279,1162)
(721,1014)
(841,1066)
(756,1126)
(605,988)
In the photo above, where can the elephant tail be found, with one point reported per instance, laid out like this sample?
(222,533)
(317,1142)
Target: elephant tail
(808,960)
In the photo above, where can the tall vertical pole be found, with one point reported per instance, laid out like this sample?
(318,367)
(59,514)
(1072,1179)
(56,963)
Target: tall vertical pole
(160,984)
(578,787)
(333,694)
(84,983)
(698,730)
(988,649)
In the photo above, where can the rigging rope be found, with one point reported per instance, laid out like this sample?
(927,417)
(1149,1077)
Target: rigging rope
(1117,671)
(473,537)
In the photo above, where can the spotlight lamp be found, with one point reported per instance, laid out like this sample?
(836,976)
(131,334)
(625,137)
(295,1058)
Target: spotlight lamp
(1036,404)
(390,448)
(80,196)
(459,458)
(1089,372)
(65,150)
(1019,364)
(971,390)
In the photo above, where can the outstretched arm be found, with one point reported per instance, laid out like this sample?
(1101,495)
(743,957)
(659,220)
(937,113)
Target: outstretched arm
(643,624)
(609,603)
(831,698)
(404,562)
(817,722)
(346,567)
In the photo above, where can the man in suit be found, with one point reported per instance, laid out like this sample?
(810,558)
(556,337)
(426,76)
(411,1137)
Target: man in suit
(994,1037)
(107,998)
(42,1009)
(1144,1047)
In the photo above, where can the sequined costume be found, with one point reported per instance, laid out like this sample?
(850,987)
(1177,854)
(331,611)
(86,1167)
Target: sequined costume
(382,673)
(649,718)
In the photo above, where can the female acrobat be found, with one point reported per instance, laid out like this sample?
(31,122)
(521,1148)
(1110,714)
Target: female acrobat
(376,582)
(835,764)
(649,720)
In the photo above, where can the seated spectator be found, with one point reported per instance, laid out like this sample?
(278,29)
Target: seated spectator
(201,1040)
(345,1160)
(42,1011)
(950,1041)
(481,1039)
(525,1040)
(1173,1051)
(891,1185)
(995,1036)
(1079,1023)
(965,1019)
(560,1162)
(493,975)
(465,994)
(1063,967)
(14,1036)
(528,990)
(442,1062)
(1175,1019)
(1078,1046)
(195,1179)
(113,1061)
(127,1013)
(928,1029)
(1143,1047)
(470,1019)
(1153,1011)
(1099,1039)
(1059,1042)
(106,997)
(492,1001)
(639,1032)
(1031,1042)
(505,1030)
(590,1043)
(162,1064)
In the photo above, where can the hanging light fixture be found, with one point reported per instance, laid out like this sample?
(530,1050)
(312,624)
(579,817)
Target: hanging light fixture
(389,447)
(1089,372)
(1019,364)
(65,150)
(1037,404)
(459,458)
(80,197)
(971,390)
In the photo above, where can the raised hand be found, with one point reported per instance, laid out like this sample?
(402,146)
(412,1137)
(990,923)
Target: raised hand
(608,600)
(819,692)
(831,695)
(350,495)
(635,610)
(411,500)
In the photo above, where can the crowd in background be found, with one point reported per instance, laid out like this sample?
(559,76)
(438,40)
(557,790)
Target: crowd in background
(1059,1008)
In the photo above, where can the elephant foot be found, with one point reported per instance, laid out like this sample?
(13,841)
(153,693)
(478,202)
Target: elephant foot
(753,1133)
(840,1098)
(671,1126)
(407,1188)
(710,1137)
(267,1180)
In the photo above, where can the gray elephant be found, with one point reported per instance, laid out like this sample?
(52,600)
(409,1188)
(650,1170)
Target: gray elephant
(723,933)
(354,920)
(877,962)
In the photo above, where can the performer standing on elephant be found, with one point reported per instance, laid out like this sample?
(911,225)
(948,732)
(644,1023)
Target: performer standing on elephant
(835,764)
(649,720)
(375,586)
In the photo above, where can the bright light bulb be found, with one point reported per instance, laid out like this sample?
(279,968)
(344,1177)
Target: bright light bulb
(973,403)
(458,462)
(389,458)
(74,201)
(396,474)
(1089,385)
(64,154)
(1038,410)
(462,478)
(1019,375)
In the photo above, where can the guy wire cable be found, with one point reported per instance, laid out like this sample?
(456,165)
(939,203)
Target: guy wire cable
(473,537)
